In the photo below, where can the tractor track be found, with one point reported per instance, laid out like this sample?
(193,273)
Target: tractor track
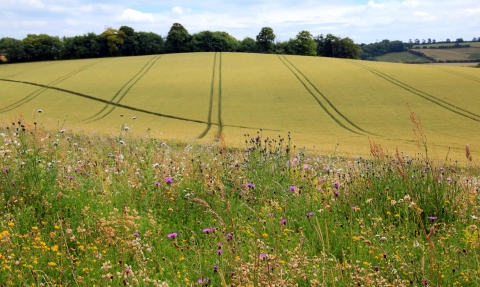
(40,91)
(426,96)
(210,106)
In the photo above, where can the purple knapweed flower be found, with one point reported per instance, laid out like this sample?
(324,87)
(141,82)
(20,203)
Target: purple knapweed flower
(209,230)
(13,183)
(269,267)
(336,185)
(425,282)
(283,222)
(375,268)
(355,208)
(337,193)
(168,180)
(172,235)
(204,281)
(5,170)
(251,185)
(305,166)
(432,218)
(215,268)
(310,214)
(292,188)
(229,236)
(262,256)
(219,252)
(136,235)
(157,184)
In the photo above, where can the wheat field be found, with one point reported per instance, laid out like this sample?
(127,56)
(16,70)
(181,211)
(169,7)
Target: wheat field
(327,105)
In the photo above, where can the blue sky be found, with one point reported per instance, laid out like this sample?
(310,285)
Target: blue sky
(364,21)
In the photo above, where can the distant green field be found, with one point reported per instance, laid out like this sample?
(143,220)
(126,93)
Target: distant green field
(472,44)
(199,96)
(457,54)
(401,57)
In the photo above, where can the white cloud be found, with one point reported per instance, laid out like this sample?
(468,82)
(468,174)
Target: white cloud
(136,16)
(177,10)
(410,3)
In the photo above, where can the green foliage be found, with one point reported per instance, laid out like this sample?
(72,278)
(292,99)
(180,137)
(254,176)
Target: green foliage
(83,47)
(150,43)
(13,49)
(382,48)
(42,47)
(115,38)
(247,45)
(265,40)
(207,41)
(130,45)
(305,45)
(178,39)
(333,46)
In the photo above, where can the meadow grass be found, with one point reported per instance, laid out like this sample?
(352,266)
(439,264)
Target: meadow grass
(89,210)
(472,44)
(323,102)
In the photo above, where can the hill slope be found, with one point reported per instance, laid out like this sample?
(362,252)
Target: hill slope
(321,101)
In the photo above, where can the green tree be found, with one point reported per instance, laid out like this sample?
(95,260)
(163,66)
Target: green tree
(150,43)
(265,40)
(178,39)
(85,46)
(13,49)
(207,41)
(333,46)
(42,47)
(114,39)
(247,45)
(130,46)
(305,45)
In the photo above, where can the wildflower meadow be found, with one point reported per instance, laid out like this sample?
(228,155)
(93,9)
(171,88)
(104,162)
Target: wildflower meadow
(89,210)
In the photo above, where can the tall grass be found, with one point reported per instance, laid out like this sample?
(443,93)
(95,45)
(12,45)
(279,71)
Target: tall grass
(82,210)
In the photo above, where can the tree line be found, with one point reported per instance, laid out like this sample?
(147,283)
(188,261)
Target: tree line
(125,41)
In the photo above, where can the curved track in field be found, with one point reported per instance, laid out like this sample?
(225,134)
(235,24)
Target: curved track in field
(220,123)
(128,107)
(426,96)
(40,91)
(458,74)
(324,103)
(122,92)
(210,105)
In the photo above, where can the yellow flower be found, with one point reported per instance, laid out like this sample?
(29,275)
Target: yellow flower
(11,224)
(265,235)
(35,228)
(52,264)
(54,248)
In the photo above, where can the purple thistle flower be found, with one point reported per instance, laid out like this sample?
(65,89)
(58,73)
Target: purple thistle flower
(209,230)
(292,188)
(337,193)
(283,222)
(432,218)
(251,185)
(219,252)
(13,183)
(425,282)
(172,235)
(5,170)
(136,235)
(375,268)
(168,180)
(262,256)
(157,184)
(127,270)
(229,236)
(336,185)
(215,268)
(310,214)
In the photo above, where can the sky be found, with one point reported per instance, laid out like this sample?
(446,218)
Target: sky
(365,21)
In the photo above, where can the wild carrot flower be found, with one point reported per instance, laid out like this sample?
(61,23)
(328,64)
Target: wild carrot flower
(172,235)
